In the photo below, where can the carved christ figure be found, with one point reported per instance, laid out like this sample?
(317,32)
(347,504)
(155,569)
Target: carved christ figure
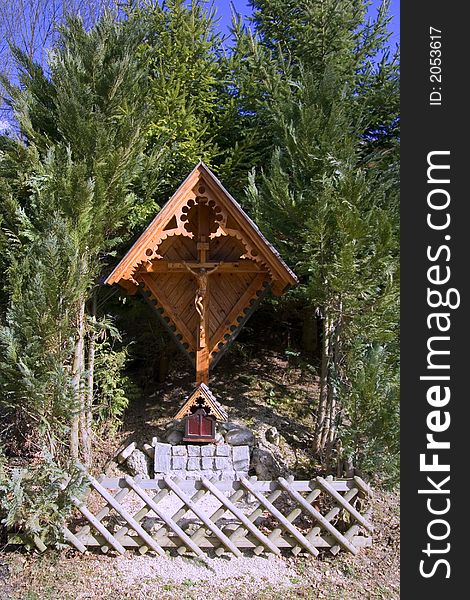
(202,277)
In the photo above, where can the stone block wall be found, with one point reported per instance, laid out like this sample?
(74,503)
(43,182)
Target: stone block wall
(219,462)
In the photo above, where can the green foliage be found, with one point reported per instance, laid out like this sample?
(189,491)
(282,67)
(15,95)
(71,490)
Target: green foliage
(68,184)
(192,100)
(180,52)
(329,194)
(37,339)
(114,390)
(370,431)
(92,106)
(37,500)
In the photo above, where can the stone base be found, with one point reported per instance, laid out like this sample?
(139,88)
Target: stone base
(218,462)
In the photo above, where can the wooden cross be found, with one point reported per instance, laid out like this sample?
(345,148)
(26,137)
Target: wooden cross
(230,286)
(201,270)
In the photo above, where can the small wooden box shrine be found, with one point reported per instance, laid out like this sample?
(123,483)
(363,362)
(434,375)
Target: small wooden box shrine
(200,411)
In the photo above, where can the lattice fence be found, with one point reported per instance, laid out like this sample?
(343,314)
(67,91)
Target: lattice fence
(201,516)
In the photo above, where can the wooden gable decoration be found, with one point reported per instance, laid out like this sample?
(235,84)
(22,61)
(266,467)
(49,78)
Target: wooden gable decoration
(202,397)
(205,266)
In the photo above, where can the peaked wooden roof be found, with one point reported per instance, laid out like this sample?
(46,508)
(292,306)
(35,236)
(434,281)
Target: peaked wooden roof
(235,222)
(202,390)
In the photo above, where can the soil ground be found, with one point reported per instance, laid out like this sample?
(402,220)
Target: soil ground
(260,389)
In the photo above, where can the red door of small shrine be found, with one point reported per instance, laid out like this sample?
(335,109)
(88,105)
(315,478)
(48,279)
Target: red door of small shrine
(199,427)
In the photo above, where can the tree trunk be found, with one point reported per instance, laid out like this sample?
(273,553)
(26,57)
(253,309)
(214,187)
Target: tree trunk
(327,415)
(337,360)
(327,434)
(163,365)
(349,470)
(331,411)
(324,385)
(309,332)
(88,416)
(77,375)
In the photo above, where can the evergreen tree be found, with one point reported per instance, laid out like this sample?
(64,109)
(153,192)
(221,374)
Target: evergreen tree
(37,340)
(72,172)
(329,195)
(180,51)
(289,38)
(193,103)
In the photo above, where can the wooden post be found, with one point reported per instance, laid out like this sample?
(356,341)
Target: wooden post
(202,353)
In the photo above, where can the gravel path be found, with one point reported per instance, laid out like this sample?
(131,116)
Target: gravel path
(258,571)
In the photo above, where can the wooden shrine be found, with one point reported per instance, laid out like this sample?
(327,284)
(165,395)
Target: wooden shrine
(200,411)
(205,266)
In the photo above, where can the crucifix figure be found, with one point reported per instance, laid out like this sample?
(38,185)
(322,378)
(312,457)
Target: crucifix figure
(202,278)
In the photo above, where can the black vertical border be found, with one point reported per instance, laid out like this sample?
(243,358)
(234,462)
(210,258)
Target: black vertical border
(428,128)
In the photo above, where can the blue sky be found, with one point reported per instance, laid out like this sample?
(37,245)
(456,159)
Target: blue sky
(242,7)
